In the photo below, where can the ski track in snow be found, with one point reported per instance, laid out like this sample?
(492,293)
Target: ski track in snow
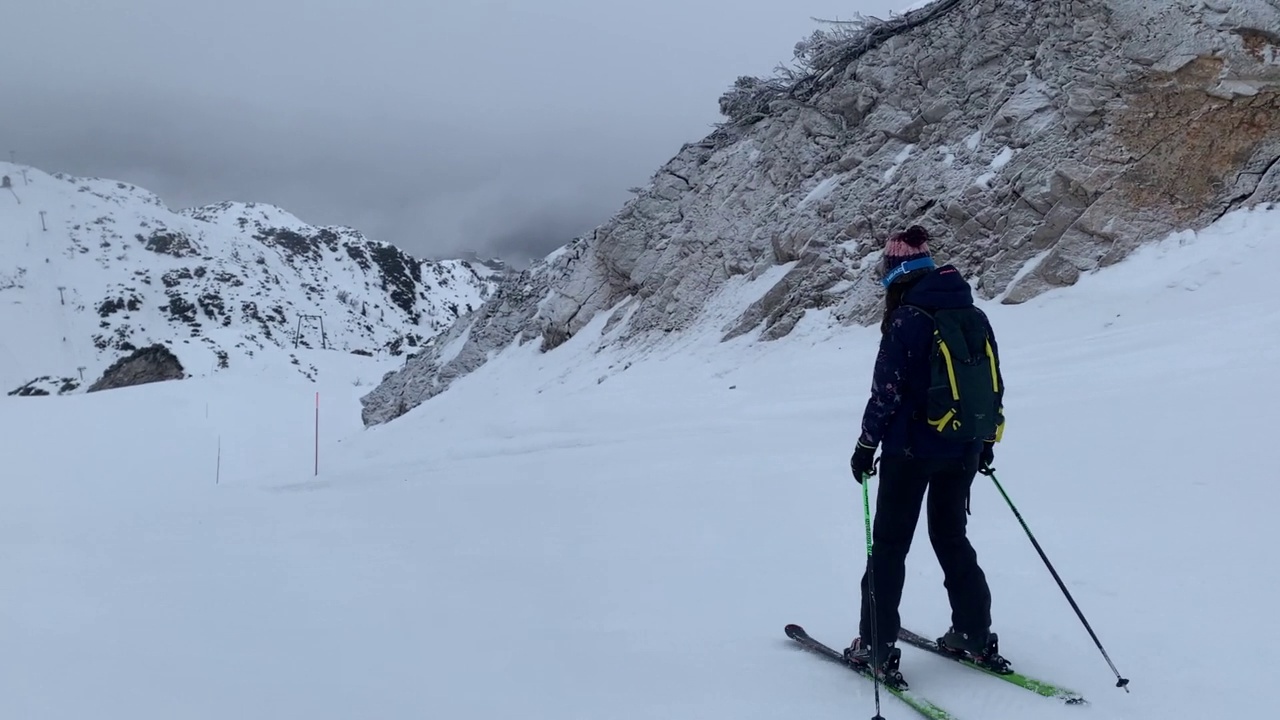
(572,536)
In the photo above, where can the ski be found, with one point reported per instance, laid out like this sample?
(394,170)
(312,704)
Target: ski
(1040,687)
(912,699)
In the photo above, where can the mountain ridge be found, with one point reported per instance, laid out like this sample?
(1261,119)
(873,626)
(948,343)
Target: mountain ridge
(92,269)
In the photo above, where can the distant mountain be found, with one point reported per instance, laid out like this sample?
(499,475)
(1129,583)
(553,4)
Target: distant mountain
(92,270)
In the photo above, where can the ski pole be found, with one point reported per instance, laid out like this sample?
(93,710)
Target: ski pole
(871,592)
(1121,682)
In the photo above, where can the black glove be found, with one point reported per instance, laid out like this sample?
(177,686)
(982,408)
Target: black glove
(986,457)
(863,461)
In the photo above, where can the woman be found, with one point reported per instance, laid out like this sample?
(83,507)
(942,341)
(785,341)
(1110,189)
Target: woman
(918,455)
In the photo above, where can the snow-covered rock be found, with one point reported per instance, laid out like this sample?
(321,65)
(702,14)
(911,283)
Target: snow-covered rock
(91,270)
(1037,140)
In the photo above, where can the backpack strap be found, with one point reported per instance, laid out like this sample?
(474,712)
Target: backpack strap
(918,309)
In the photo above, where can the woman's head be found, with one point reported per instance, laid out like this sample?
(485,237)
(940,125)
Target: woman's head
(906,260)
(905,252)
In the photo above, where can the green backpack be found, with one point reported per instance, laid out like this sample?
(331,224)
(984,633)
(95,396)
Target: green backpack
(964,399)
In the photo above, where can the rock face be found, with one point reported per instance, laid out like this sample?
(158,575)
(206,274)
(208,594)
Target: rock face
(1036,139)
(145,365)
(40,386)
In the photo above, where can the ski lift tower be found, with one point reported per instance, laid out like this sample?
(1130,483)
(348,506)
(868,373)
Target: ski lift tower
(311,321)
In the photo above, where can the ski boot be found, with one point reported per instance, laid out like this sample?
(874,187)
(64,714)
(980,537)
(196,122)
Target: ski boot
(885,666)
(983,651)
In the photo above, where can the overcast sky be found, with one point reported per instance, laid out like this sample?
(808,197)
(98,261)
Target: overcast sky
(502,126)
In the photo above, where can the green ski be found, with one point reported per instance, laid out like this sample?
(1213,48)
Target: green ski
(1039,687)
(914,700)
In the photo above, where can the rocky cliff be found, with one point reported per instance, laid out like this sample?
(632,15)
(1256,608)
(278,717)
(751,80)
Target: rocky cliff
(1037,140)
(145,365)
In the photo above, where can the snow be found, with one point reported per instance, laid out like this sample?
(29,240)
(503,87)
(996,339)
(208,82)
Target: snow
(974,139)
(1026,269)
(1002,158)
(555,254)
(898,159)
(740,291)
(820,191)
(534,543)
(454,346)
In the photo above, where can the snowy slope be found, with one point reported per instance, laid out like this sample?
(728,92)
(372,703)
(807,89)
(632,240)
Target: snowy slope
(116,270)
(535,543)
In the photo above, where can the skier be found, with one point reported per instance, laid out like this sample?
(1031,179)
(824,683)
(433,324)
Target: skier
(917,455)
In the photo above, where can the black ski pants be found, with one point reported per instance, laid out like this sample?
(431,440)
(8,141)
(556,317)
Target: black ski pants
(903,482)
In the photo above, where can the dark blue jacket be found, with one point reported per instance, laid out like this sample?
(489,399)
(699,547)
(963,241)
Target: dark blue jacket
(895,414)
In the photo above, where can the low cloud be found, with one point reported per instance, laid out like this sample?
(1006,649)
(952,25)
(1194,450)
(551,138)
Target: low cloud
(503,127)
